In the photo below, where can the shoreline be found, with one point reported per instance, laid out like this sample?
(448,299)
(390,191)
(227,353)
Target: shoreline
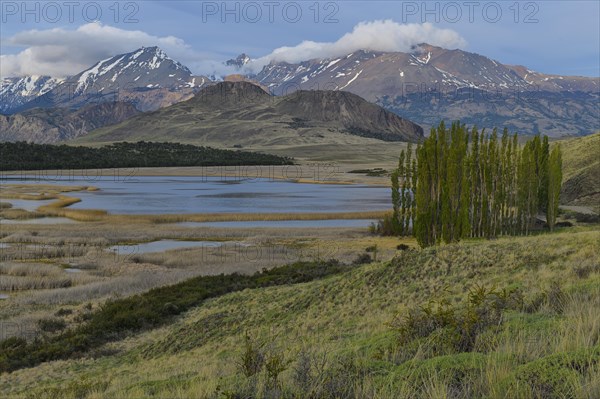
(302,173)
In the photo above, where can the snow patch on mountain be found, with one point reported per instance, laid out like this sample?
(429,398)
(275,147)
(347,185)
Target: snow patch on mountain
(15,92)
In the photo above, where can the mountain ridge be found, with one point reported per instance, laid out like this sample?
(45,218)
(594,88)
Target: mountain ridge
(426,84)
(242,113)
(135,77)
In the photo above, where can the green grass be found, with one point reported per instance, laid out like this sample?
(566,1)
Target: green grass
(581,171)
(339,336)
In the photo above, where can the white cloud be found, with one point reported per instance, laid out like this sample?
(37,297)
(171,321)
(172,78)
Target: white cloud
(375,35)
(60,52)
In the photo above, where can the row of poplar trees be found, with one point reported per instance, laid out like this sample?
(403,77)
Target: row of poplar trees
(462,183)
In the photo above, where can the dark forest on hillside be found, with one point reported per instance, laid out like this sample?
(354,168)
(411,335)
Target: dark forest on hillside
(28,156)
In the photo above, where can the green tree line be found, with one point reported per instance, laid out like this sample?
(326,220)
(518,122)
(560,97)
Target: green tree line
(467,184)
(29,156)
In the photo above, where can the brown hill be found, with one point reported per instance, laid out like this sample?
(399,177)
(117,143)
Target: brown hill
(241,113)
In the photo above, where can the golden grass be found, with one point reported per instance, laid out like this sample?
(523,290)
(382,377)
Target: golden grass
(48,192)
(242,217)
(57,208)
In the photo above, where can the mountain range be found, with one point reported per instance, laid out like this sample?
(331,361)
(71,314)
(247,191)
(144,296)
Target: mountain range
(424,85)
(147,78)
(431,83)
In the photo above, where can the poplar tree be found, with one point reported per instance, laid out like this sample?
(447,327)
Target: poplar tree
(468,184)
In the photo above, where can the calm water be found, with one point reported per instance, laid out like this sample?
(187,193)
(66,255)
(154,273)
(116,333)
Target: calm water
(28,205)
(168,195)
(160,246)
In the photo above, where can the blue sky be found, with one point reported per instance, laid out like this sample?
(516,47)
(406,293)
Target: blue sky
(561,37)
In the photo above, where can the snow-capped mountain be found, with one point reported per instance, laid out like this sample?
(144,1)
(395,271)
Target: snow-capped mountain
(147,77)
(14,92)
(426,85)
(147,67)
(427,68)
(239,61)
(430,83)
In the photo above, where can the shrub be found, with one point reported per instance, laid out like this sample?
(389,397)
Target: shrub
(362,259)
(384,227)
(63,312)
(12,343)
(51,325)
(252,358)
(461,325)
(556,298)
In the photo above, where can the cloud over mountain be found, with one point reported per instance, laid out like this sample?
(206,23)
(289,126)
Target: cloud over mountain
(380,35)
(60,52)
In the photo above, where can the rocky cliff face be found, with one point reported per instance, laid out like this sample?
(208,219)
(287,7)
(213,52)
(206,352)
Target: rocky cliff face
(60,124)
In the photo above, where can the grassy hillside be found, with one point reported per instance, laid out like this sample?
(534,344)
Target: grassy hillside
(514,317)
(581,171)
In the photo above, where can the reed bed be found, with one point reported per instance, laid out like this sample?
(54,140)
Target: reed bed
(48,192)
(23,283)
(29,269)
(243,217)
(58,208)
(39,276)
(115,287)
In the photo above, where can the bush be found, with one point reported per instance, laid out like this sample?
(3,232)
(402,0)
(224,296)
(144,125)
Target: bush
(384,227)
(63,312)
(461,325)
(556,298)
(51,325)
(363,259)
(252,358)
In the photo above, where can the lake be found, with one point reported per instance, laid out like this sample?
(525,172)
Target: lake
(176,195)
(160,246)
